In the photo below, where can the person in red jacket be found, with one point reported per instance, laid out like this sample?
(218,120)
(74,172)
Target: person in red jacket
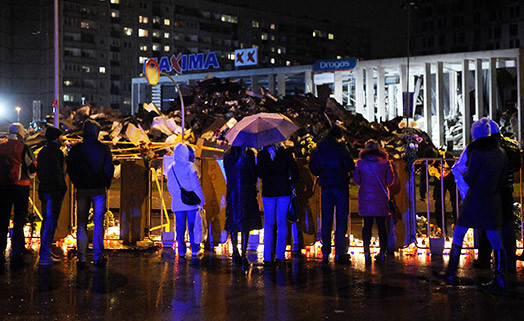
(373,174)
(17,168)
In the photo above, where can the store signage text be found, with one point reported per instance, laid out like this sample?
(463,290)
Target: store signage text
(180,62)
(335,64)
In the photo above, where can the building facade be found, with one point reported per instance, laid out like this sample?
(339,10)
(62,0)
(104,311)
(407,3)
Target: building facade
(103,45)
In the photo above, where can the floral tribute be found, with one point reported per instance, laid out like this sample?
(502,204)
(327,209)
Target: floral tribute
(411,141)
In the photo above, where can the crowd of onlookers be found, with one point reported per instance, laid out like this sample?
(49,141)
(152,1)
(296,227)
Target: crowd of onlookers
(483,173)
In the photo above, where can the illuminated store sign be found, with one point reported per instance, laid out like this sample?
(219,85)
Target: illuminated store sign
(335,64)
(180,62)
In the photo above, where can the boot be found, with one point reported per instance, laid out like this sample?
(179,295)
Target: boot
(450,276)
(498,284)
(381,256)
(367,254)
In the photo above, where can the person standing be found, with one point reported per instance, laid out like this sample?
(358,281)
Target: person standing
(90,167)
(482,206)
(242,211)
(332,162)
(278,171)
(17,168)
(373,174)
(182,174)
(51,190)
(511,148)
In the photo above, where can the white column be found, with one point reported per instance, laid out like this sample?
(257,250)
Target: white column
(370,94)
(338,87)
(308,82)
(453,93)
(271,83)
(427,98)
(359,91)
(281,83)
(402,89)
(520,96)
(466,117)
(381,94)
(479,90)
(492,88)
(440,105)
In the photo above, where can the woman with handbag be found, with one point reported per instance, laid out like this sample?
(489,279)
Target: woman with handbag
(278,170)
(242,211)
(373,174)
(186,195)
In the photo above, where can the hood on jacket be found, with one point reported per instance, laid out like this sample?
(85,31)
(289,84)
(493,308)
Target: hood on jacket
(373,154)
(181,153)
(91,129)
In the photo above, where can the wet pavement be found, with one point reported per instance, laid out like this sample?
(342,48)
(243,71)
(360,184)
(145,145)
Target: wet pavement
(156,285)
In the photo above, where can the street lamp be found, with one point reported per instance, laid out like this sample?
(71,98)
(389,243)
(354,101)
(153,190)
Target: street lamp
(18,108)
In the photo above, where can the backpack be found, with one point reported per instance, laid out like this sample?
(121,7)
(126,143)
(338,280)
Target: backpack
(10,161)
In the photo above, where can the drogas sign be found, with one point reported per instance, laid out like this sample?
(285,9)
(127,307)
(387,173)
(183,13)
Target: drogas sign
(335,64)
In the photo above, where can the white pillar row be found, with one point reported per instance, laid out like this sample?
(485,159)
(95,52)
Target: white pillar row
(453,92)
(428,115)
(465,111)
(370,94)
(479,90)
(402,89)
(359,91)
(492,88)
(271,83)
(381,94)
(440,104)
(308,80)
(281,83)
(338,87)
(391,102)
(520,96)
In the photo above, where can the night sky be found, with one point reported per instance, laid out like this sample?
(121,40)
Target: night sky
(386,20)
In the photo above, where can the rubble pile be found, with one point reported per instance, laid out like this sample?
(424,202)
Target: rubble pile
(215,105)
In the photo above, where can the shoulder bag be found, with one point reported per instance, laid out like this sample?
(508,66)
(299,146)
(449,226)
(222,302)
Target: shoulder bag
(188,197)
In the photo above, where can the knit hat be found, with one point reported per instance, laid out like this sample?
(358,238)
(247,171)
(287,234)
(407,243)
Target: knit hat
(480,128)
(494,127)
(371,144)
(52,133)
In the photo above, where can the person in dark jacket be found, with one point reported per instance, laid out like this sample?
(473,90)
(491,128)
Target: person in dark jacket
(242,212)
(482,206)
(90,167)
(17,168)
(332,162)
(51,190)
(511,148)
(278,170)
(373,175)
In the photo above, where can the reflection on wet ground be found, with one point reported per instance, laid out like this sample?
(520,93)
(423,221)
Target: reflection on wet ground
(157,285)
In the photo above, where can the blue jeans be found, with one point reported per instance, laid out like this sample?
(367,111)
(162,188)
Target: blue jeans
(84,199)
(51,206)
(16,196)
(275,211)
(331,198)
(181,218)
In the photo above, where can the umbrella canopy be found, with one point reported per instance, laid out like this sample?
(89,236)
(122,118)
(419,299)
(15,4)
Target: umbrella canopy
(261,130)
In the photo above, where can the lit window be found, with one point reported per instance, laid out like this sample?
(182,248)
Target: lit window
(272,26)
(279,51)
(84,25)
(142,19)
(86,69)
(314,33)
(166,35)
(141,60)
(167,22)
(115,1)
(273,49)
(228,18)
(272,60)
(115,14)
(142,33)
(331,36)
(231,56)
(166,48)
(102,70)
(156,34)
(255,24)
(128,31)
(263,36)
(143,48)
(288,63)
(339,57)
(272,38)
(68,83)
(156,47)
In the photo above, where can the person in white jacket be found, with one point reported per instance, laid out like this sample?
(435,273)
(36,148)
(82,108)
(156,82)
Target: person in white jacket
(187,176)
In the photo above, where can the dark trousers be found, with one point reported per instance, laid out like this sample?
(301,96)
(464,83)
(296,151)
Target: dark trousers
(335,198)
(382,233)
(451,188)
(51,206)
(16,196)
